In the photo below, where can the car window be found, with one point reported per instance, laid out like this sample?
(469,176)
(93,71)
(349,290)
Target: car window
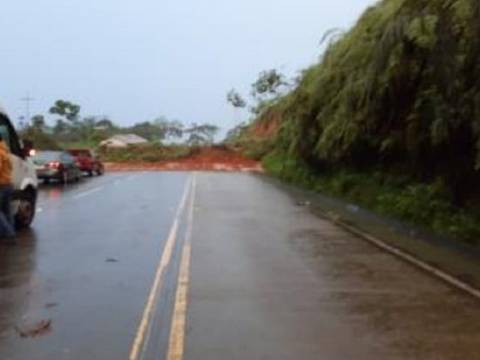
(45,156)
(9,135)
(66,158)
(5,134)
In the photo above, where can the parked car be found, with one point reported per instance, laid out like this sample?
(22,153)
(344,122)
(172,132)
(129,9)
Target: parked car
(87,161)
(24,177)
(56,165)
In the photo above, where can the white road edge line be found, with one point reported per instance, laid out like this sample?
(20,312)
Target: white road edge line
(138,342)
(449,279)
(176,346)
(88,192)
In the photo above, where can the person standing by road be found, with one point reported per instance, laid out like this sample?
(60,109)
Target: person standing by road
(6,189)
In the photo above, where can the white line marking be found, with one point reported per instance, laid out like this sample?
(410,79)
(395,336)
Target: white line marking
(88,192)
(179,212)
(176,346)
(144,325)
(453,281)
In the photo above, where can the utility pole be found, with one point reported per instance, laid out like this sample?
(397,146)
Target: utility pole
(27,100)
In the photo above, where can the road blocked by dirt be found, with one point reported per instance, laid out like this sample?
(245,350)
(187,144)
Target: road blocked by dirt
(212,159)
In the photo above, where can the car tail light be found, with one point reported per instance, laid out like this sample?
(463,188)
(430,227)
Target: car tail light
(55,165)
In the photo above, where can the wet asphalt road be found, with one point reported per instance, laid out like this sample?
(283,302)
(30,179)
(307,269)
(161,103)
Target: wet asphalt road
(214,266)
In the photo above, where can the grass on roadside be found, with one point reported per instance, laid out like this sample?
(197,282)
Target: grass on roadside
(145,153)
(426,205)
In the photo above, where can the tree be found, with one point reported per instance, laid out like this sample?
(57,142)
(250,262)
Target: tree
(201,135)
(60,127)
(86,127)
(38,122)
(68,125)
(66,109)
(269,82)
(38,134)
(147,130)
(169,128)
(265,91)
(234,98)
(105,124)
(400,91)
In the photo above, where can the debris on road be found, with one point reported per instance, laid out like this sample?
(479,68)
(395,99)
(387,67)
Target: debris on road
(206,159)
(50,305)
(38,329)
(111,260)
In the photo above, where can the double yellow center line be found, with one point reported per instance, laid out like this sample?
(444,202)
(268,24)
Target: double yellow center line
(177,333)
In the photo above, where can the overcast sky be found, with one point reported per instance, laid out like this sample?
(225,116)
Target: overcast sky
(136,60)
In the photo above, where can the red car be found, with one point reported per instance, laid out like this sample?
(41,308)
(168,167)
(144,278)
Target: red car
(87,161)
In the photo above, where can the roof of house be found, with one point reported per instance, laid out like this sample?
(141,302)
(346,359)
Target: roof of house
(128,139)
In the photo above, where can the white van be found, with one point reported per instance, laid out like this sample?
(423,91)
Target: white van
(24,176)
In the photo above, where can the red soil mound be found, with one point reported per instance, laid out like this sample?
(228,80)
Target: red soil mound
(206,159)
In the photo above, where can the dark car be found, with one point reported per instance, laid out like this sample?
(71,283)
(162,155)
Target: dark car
(87,161)
(56,165)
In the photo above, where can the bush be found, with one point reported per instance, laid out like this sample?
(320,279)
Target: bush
(427,205)
(257,149)
(400,89)
(145,153)
(419,203)
(40,139)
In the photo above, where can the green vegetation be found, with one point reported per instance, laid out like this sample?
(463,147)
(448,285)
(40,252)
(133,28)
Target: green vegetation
(426,205)
(36,133)
(390,116)
(71,130)
(145,153)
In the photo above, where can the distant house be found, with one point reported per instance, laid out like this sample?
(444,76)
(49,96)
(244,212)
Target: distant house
(121,141)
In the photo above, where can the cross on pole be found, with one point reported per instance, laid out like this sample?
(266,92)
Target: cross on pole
(27,100)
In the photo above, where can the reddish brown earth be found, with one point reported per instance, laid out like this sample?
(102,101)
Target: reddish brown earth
(210,159)
(268,125)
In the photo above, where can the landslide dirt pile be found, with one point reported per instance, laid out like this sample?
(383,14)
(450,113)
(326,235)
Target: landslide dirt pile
(205,159)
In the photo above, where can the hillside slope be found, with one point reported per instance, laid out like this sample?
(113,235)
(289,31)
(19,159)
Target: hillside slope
(394,104)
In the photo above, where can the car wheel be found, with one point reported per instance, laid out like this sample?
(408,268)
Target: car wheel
(90,173)
(100,171)
(26,209)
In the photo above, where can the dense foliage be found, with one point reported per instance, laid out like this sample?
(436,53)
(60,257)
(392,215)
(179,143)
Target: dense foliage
(423,204)
(395,97)
(145,153)
(400,91)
